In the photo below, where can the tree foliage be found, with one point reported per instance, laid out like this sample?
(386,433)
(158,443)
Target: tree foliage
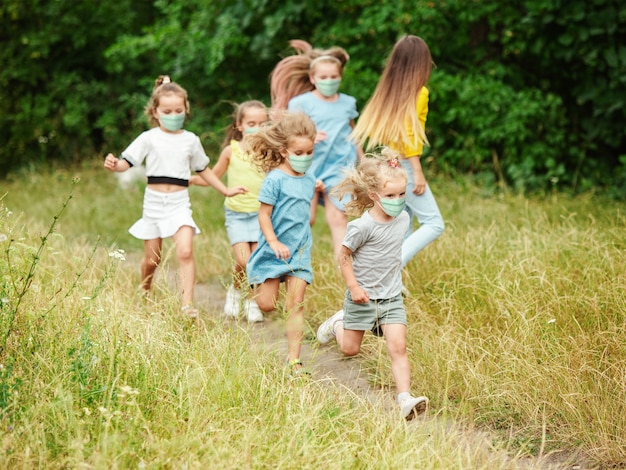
(54,81)
(529,93)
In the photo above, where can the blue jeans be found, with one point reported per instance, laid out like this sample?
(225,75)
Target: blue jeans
(425,209)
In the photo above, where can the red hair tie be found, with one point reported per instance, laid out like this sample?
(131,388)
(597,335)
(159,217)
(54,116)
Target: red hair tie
(393,163)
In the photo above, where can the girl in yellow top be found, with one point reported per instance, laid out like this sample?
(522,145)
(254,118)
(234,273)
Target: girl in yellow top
(241,212)
(395,116)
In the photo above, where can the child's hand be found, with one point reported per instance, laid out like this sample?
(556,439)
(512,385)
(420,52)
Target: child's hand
(236,190)
(359,295)
(420,182)
(319,186)
(110,162)
(281,251)
(196,180)
(321,135)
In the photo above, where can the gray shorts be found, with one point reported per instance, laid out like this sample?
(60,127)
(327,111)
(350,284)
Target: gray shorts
(369,316)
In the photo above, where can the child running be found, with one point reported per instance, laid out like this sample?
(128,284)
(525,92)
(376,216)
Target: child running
(370,262)
(395,116)
(241,212)
(309,82)
(170,153)
(285,151)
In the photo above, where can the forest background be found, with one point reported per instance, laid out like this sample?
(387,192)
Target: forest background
(527,94)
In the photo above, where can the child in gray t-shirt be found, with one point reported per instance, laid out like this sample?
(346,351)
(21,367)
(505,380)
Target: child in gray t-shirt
(371,264)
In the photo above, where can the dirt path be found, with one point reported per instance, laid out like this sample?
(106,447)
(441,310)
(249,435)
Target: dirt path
(326,363)
(323,362)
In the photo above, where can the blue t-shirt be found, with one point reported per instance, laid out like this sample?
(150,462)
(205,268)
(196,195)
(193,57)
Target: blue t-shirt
(290,197)
(336,152)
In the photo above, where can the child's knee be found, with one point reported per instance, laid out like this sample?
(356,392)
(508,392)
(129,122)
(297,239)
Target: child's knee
(397,349)
(266,305)
(185,254)
(439,227)
(350,349)
(151,262)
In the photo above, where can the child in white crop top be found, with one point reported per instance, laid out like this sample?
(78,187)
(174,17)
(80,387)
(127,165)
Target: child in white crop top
(170,154)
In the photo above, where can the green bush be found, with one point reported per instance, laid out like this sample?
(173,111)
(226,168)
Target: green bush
(479,124)
(542,80)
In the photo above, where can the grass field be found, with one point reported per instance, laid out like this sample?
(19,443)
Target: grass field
(516,328)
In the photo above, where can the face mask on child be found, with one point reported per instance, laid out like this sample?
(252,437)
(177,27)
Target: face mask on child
(172,122)
(300,163)
(251,130)
(328,87)
(392,207)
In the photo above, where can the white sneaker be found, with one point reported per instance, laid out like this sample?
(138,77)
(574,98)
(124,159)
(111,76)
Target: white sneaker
(413,406)
(326,331)
(231,305)
(253,312)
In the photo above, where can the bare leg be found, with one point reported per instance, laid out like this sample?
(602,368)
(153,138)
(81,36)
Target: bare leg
(337,222)
(294,306)
(395,337)
(151,259)
(183,240)
(349,341)
(266,294)
(242,252)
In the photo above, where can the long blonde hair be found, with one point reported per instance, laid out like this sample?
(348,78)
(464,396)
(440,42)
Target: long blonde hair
(265,146)
(163,85)
(290,76)
(393,106)
(371,175)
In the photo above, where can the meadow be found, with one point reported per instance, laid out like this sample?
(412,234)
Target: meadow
(516,332)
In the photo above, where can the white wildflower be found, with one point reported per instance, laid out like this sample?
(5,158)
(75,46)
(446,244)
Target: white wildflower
(129,390)
(118,254)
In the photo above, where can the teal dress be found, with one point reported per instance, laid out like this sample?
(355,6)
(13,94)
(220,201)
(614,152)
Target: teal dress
(290,197)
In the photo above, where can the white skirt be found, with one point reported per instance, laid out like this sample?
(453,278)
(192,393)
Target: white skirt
(163,215)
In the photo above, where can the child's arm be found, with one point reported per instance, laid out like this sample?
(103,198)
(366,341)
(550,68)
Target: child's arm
(414,154)
(112,163)
(222,163)
(219,169)
(265,222)
(358,294)
(359,150)
(212,180)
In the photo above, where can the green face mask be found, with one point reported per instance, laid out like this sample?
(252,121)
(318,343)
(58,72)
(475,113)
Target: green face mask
(328,87)
(172,122)
(300,163)
(392,207)
(251,130)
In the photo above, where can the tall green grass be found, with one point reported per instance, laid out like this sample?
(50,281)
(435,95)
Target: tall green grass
(516,329)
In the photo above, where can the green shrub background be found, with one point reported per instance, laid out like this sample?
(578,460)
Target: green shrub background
(527,95)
